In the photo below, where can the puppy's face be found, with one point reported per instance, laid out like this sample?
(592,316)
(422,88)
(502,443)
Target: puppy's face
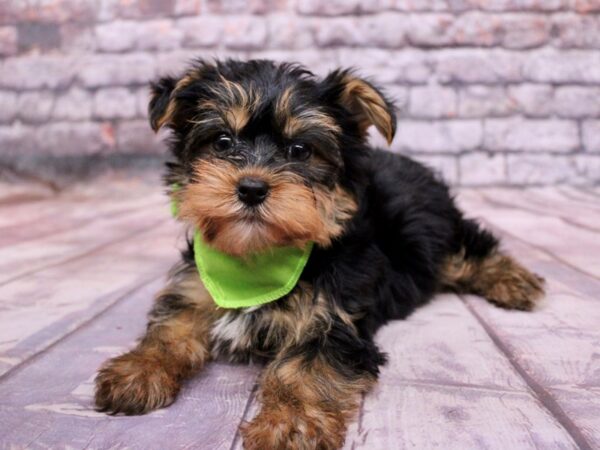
(261,150)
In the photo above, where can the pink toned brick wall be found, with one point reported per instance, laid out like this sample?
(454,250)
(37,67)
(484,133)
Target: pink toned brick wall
(488,91)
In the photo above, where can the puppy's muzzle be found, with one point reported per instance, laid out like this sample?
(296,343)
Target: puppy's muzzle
(252,191)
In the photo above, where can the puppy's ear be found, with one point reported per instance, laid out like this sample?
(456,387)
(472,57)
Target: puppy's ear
(363,101)
(162,105)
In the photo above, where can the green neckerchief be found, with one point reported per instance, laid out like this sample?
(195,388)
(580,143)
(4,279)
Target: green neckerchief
(256,279)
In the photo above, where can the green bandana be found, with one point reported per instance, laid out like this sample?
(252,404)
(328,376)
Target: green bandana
(256,279)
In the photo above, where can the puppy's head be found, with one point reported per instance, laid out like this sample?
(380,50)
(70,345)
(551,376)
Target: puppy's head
(264,151)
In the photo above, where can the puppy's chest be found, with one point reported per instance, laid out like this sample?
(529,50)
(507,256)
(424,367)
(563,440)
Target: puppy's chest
(244,334)
(261,331)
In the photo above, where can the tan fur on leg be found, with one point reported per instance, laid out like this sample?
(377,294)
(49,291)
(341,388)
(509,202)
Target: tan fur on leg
(176,344)
(306,405)
(497,277)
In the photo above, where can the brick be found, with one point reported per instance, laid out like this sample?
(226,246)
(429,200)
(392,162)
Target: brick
(432,102)
(116,36)
(200,31)
(522,5)
(136,136)
(74,104)
(591,135)
(17,140)
(588,168)
(399,96)
(319,62)
(8,41)
(531,135)
(35,106)
(521,31)
(245,6)
(438,136)
(37,71)
(434,5)
(478,66)
(245,33)
(76,37)
(338,31)
(56,139)
(576,31)
(119,36)
(444,166)
(55,11)
(187,7)
(287,31)
(577,101)
(383,30)
(535,100)
(38,36)
(541,169)
(158,35)
(175,62)
(409,66)
(430,30)
(587,6)
(479,169)
(114,103)
(485,101)
(143,9)
(8,106)
(476,29)
(571,66)
(142,99)
(66,138)
(328,8)
(107,70)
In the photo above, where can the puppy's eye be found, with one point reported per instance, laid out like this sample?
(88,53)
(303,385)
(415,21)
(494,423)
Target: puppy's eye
(223,143)
(299,152)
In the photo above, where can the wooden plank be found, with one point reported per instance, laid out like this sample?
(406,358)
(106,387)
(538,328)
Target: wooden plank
(583,403)
(576,247)
(43,307)
(28,257)
(546,202)
(48,402)
(402,416)
(38,221)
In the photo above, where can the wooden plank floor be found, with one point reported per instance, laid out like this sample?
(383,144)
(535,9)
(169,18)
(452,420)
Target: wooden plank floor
(78,271)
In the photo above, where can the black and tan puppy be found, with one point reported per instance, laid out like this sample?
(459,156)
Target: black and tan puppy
(267,155)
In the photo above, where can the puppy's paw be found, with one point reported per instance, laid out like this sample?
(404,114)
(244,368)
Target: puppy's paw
(517,289)
(134,383)
(287,429)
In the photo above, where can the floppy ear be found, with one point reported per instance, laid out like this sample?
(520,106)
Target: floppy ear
(363,101)
(161,106)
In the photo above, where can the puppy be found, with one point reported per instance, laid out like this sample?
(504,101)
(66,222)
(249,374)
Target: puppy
(272,170)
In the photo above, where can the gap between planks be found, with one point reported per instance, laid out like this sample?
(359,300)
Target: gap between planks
(545,398)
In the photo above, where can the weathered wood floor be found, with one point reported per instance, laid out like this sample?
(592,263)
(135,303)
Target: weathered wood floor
(78,272)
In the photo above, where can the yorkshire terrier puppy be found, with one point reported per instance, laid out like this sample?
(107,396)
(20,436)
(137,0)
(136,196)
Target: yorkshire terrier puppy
(270,160)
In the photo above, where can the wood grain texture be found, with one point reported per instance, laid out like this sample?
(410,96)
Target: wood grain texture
(48,402)
(462,373)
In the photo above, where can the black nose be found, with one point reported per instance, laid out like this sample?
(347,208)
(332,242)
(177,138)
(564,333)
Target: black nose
(252,191)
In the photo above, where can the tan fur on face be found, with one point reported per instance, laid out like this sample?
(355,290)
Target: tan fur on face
(293,123)
(306,405)
(369,107)
(497,277)
(292,214)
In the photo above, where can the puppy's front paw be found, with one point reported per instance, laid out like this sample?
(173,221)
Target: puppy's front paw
(134,383)
(292,429)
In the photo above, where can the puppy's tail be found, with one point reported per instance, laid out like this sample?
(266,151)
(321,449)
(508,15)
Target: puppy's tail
(479,267)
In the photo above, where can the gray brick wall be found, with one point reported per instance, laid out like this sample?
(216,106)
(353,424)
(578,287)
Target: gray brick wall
(488,91)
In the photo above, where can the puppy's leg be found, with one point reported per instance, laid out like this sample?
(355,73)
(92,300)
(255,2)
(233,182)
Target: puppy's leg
(309,394)
(175,345)
(481,268)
